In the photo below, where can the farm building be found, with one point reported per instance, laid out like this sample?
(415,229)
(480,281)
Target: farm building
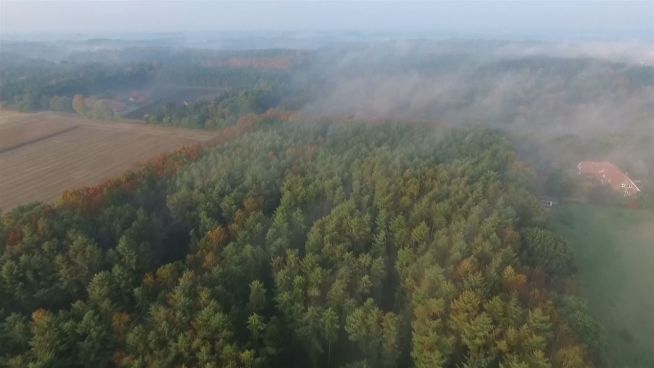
(609,175)
(548,202)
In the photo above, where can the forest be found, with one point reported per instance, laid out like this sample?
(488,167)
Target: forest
(299,244)
(370,205)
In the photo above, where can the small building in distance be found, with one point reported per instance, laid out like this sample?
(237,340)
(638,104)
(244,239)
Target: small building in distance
(605,173)
(548,201)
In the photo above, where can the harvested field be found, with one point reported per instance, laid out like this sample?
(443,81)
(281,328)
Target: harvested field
(43,154)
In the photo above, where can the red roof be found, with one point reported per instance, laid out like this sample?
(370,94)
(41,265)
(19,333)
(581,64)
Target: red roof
(608,174)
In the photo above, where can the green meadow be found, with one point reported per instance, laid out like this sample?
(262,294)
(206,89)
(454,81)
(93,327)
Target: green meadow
(615,255)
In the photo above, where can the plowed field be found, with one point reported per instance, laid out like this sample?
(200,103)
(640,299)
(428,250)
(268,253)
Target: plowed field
(43,154)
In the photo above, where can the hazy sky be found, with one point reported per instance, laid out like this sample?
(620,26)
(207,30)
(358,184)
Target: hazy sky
(602,19)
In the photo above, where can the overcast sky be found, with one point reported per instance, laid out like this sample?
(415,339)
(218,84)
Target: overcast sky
(586,19)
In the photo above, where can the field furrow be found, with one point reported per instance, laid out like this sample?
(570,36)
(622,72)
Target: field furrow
(45,154)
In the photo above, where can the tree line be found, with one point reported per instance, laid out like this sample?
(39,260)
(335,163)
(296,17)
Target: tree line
(45,86)
(215,113)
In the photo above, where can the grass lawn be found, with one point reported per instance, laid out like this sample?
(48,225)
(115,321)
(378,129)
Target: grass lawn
(615,254)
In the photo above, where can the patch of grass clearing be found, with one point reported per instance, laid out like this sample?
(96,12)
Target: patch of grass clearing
(615,254)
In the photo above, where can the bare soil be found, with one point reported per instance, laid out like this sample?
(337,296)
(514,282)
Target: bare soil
(43,154)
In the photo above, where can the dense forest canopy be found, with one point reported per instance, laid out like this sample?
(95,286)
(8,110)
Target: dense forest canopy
(299,245)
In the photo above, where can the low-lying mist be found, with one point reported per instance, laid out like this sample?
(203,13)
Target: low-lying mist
(533,87)
(571,102)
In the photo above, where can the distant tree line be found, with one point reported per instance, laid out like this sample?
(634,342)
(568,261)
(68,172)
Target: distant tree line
(216,113)
(51,85)
(36,84)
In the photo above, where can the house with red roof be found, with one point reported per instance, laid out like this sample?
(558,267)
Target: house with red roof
(607,174)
